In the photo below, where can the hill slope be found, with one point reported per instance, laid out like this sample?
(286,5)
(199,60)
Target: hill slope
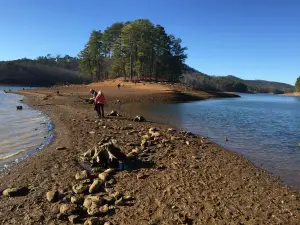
(34,74)
(230,83)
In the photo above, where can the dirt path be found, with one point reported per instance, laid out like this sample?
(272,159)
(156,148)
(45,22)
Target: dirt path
(182,178)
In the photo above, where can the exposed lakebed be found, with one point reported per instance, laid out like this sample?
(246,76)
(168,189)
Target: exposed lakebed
(263,128)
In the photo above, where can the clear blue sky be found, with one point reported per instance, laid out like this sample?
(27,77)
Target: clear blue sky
(252,39)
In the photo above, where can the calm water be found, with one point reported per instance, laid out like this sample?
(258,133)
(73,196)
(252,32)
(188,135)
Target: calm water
(264,128)
(22,132)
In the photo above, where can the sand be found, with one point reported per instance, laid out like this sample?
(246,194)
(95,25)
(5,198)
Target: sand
(188,181)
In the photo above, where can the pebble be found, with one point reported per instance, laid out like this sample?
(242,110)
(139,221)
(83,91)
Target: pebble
(69,209)
(80,188)
(61,148)
(96,186)
(74,219)
(81,175)
(104,176)
(51,196)
(94,221)
(12,192)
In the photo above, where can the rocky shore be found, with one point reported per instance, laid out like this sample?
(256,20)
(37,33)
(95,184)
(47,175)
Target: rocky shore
(120,171)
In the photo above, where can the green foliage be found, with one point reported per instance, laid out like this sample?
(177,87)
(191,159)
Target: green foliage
(205,82)
(138,50)
(297,85)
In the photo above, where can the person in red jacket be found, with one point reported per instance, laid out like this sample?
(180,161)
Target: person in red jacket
(100,101)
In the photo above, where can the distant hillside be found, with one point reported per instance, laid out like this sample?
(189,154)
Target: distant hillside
(231,83)
(34,73)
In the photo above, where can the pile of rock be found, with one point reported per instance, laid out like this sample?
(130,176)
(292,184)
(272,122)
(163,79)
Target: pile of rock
(92,198)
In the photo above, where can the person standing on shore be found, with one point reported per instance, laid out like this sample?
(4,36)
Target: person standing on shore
(99,104)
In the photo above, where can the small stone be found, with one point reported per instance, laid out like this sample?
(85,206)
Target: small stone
(108,199)
(141,176)
(81,175)
(116,195)
(61,148)
(160,146)
(110,171)
(152,130)
(51,196)
(77,199)
(90,200)
(104,209)
(74,219)
(12,192)
(92,132)
(60,216)
(156,134)
(80,188)
(96,186)
(94,221)
(171,130)
(69,209)
(107,223)
(119,202)
(139,119)
(187,143)
(104,176)
(128,198)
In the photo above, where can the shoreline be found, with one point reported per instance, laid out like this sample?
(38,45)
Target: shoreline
(201,180)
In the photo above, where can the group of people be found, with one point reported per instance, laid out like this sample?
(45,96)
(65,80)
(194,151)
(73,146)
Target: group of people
(99,101)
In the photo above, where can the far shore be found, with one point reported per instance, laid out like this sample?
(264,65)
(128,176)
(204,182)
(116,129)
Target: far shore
(292,94)
(181,178)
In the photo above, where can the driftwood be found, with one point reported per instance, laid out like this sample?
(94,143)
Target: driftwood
(106,156)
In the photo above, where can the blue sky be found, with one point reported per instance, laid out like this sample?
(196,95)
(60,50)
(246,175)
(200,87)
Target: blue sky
(251,39)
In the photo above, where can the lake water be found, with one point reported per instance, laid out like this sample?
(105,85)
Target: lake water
(264,128)
(22,132)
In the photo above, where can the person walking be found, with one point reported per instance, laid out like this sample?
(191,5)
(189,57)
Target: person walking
(99,104)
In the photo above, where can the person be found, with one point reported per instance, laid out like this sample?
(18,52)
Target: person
(119,85)
(93,92)
(99,104)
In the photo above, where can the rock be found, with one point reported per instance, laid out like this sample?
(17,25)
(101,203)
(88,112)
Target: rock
(116,195)
(113,113)
(160,146)
(108,199)
(77,199)
(61,148)
(119,202)
(69,209)
(96,186)
(152,130)
(51,196)
(141,176)
(103,176)
(19,107)
(171,130)
(165,141)
(85,181)
(187,143)
(110,171)
(12,192)
(156,134)
(104,209)
(97,200)
(80,188)
(107,223)
(146,137)
(139,119)
(128,198)
(94,221)
(92,132)
(74,219)
(60,216)
(81,175)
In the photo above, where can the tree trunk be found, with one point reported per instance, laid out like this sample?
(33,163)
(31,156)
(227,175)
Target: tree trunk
(131,67)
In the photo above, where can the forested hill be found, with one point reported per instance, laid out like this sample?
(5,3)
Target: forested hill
(44,71)
(201,81)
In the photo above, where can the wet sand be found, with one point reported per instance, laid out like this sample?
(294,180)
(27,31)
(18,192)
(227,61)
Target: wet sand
(186,180)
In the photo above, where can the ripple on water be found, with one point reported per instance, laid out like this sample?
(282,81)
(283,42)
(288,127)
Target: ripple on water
(22,132)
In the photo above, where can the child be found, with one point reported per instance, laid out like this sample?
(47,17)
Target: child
(99,104)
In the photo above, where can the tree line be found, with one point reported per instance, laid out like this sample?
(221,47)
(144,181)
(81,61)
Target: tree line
(297,84)
(136,50)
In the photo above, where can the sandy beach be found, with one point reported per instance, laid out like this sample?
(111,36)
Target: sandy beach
(180,178)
